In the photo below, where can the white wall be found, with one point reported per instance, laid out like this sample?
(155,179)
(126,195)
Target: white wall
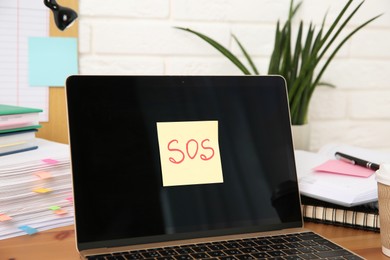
(137,37)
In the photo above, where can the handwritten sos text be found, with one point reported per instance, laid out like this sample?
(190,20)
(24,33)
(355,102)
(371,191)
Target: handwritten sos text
(191,150)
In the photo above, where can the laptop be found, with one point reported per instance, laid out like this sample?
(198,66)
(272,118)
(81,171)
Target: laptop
(186,167)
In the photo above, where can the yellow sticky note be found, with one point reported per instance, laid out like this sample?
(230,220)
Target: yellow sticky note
(42,190)
(189,153)
(43,175)
(4,217)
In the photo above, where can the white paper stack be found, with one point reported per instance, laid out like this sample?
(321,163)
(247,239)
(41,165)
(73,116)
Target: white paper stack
(35,190)
(341,189)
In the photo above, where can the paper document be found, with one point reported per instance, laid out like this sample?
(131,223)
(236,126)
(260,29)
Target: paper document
(35,190)
(342,189)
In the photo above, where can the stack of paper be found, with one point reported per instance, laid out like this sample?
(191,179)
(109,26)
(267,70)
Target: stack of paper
(35,190)
(321,177)
(17,129)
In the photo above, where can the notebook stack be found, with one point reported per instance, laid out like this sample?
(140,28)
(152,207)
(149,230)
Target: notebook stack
(365,216)
(35,190)
(338,192)
(18,126)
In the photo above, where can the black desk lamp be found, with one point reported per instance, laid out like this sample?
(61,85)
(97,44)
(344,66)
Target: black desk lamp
(63,16)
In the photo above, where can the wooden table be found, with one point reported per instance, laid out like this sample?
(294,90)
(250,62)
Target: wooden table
(60,243)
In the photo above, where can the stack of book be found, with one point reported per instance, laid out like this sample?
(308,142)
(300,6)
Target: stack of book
(17,129)
(339,193)
(35,190)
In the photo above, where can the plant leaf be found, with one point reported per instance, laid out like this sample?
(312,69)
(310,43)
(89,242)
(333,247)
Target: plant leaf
(220,48)
(286,50)
(314,59)
(297,54)
(338,48)
(306,69)
(326,84)
(293,10)
(253,66)
(338,31)
(335,22)
(275,56)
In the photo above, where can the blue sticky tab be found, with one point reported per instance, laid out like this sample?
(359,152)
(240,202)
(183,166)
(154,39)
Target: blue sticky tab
(29,230)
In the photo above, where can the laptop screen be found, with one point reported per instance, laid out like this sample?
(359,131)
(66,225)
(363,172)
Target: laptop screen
(168,157)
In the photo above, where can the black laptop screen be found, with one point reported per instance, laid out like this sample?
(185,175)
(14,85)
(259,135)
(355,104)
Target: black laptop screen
(168,157)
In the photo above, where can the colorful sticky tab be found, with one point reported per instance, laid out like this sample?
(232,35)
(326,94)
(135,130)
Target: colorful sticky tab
(4,217)
(43,175)
(50,161)
(70,199)
(42,190)
(54,207)
(60,211)
(29,230)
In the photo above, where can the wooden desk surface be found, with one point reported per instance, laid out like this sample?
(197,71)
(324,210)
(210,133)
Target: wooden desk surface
(60,243)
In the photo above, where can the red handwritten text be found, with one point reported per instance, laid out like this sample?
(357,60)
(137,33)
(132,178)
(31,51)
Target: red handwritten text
(191,150)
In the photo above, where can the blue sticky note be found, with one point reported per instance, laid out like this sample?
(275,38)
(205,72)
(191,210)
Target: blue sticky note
(51,60)
(29,230)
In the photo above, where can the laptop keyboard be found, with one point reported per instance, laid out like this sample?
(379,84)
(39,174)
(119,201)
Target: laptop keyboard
(306,245)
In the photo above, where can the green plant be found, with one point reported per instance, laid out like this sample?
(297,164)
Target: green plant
(297,64)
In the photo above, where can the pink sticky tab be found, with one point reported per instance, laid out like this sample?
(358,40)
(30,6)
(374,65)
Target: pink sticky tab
(43,175)
(50,161)
(70,199)
(4,217)
(341,167)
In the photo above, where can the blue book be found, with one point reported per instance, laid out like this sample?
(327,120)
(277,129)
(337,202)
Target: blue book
(15,142)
